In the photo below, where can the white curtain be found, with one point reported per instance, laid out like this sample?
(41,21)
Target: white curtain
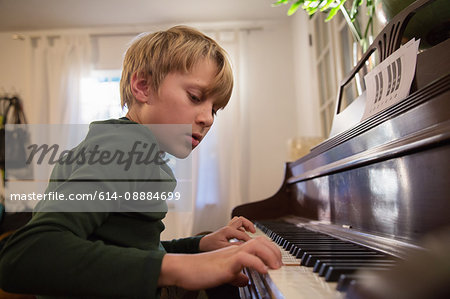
(220,179)
(57,64)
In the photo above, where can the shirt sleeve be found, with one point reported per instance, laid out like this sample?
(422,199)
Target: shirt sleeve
(51,256)
(184,245)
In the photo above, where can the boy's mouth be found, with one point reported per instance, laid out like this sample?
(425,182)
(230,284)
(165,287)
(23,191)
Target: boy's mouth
(196,138)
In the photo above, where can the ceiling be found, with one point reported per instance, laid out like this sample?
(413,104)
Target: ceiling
(25,15)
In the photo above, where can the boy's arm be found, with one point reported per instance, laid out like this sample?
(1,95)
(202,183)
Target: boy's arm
(183,245)
(50,256)
(221,238)
(210,269)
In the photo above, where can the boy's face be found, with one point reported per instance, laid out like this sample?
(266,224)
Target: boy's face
(181,99)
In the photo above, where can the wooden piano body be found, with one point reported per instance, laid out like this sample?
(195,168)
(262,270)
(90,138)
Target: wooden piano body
(384,182)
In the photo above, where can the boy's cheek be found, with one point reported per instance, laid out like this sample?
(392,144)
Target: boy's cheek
(174,139)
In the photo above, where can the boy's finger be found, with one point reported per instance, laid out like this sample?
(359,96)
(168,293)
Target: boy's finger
(252,260)
(270,255)
(270,245)
(238,222)
(237,234)
(273,247)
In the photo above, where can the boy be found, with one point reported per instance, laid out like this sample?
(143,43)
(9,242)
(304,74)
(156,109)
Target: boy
(178,76)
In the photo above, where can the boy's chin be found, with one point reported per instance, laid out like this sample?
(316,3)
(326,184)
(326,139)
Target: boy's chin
(180,153)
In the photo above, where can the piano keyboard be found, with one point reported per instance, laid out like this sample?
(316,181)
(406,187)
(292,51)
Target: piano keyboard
(315,265)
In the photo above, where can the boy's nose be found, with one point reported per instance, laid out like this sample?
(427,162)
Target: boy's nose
(205,116)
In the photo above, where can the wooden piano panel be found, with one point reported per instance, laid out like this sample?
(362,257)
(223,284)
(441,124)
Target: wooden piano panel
(390,179)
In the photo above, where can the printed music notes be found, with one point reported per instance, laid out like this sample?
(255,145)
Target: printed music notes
(389,82)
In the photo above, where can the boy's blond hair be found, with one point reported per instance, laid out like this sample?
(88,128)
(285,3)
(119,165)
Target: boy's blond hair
(175,50)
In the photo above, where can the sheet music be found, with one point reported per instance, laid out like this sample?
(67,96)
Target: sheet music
(390,81)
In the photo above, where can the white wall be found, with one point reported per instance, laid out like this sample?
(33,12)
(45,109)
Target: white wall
(12,65)
(108,50)
(272,107)
(305,78)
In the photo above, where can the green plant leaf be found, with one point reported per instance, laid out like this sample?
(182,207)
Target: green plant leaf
(294,7)
(311,10)
(310,4)
(327,5)
(370,4)
(334,10)
(354,9)
(279,2)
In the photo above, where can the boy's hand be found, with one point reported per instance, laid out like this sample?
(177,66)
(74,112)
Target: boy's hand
(221,238)
(206,270)
(242,224)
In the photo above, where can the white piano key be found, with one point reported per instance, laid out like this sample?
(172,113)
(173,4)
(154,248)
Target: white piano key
(293,281)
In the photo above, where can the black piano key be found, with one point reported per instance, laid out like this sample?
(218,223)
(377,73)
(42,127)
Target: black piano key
(345,280)
(316,242)
(303,251)
(326,248)
(286,244)
(277,239)
(326,266)
(313,238)
(297,248)
(311,260)
(307,254)
(325,244)
(293,241)
(320,262)
(311,241)
(251,286)
(333,273)
(258,288)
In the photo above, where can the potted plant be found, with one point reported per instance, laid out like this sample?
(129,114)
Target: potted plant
(332,7)
(431,25)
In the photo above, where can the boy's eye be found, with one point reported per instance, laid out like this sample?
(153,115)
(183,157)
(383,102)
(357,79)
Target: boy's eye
(214,112)
(194,98)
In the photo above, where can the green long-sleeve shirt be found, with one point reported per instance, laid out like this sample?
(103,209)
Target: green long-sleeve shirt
(93,253)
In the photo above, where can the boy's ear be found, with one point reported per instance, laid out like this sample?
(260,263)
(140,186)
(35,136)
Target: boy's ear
(140,87)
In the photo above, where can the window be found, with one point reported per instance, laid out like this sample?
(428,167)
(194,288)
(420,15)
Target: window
(324,64)
(334,59)
(100,96)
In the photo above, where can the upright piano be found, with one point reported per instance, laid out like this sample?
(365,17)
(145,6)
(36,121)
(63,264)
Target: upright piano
(366,214)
